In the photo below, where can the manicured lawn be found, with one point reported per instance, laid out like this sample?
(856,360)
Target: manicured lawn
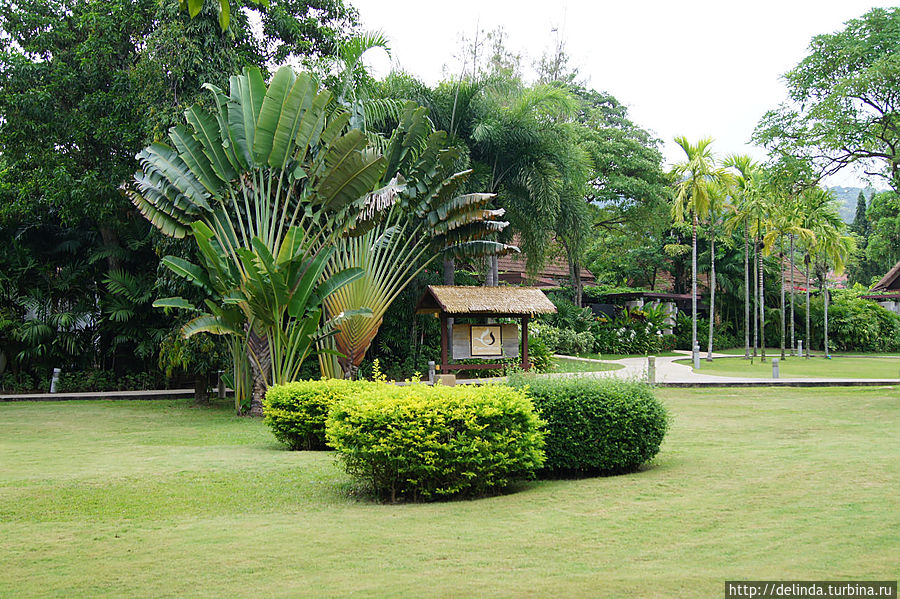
(776,351)
(162,499)
(572,366)
(797,367)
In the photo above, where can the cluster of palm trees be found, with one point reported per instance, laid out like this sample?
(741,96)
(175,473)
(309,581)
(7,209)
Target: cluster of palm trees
(780,212)
(306,231)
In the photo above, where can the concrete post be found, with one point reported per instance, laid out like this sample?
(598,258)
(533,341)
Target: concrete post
(774,368)
(800,347)
(447,380)
(431,371)
(55,380)
(651,369)
(695,355)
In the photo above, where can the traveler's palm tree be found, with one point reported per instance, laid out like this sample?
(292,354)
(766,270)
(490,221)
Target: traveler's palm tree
(265,184)
(274,186)
(423,217)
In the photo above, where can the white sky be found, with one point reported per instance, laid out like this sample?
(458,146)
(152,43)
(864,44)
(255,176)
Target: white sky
(695,68)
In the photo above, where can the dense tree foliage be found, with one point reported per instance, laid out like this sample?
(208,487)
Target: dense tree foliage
(843,106)
(85,84)
(71,106)
(883,242)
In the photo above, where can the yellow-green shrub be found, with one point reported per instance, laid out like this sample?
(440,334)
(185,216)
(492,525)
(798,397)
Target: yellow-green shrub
(421,442)
(296,411)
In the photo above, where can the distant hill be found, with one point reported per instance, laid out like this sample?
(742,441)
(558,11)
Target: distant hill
(847,197)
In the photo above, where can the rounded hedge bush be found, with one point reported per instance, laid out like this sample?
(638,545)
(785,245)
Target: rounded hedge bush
(420,442)
(296,411)
(596,426)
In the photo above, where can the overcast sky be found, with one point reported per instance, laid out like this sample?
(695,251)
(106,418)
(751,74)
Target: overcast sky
(683,68)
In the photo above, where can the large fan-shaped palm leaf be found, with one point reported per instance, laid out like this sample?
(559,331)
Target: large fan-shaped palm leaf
(422,215)
(265,184)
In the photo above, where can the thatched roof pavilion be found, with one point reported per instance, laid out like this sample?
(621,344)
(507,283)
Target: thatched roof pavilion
(506,301)
(453,301)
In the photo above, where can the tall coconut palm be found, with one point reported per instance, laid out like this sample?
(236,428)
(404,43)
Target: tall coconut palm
(696,175)
(525,138)
(784,221)
(741,213)
(833,250)
(811,202)
(828,248)
(719,194)
(760,228)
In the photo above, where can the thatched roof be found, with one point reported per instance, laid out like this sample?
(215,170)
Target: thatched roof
(499,301)
(890,281)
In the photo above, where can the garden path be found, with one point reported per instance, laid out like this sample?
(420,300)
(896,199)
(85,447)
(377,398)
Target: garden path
(675,374)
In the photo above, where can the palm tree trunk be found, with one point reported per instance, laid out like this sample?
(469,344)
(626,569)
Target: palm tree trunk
(490,279)
(449,279)
(755,297)
(783,311)
(793,338)
(807,310)
(694,283)
(762,311)
(825,300)
(260,365)
(110,242)
(746,292)
(579,285)
(449,271)
(712,289)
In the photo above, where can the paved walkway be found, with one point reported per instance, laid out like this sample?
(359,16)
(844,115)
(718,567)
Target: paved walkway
(670,373)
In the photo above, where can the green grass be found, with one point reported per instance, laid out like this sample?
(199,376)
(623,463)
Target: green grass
(797,367)
(567,365)
(775,351)
(163,499)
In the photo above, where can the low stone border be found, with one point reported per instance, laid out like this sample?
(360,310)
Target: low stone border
(889,383)
(126,395)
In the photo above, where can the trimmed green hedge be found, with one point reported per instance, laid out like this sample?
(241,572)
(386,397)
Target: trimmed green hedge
(420,442)
(296,411)
(596,426)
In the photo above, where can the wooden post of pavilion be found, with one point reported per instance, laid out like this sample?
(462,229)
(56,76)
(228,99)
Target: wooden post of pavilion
(444,360)
(526,364)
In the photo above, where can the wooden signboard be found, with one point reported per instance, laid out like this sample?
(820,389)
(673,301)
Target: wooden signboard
(485,341)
